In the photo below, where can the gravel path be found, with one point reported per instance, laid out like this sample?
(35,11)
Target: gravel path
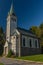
(7,61)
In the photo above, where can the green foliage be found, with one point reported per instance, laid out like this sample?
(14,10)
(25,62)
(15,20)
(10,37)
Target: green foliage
(41,26)
(1,49)
(39,32)
(2,40)
(33,29)
(10,53)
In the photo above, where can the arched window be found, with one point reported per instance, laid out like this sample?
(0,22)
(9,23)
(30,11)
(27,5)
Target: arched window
(30,42)
(23,41)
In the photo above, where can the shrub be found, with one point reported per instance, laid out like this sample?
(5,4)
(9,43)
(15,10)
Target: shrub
(1,49)
(10,53)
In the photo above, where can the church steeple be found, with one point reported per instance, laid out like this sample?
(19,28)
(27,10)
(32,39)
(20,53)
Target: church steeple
(11,22)
(11,12)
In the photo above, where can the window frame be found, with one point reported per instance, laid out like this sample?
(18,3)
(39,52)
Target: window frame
(36,44)
(23,42)
(30,43)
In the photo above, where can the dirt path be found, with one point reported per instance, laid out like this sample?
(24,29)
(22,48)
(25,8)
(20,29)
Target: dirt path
(7,61)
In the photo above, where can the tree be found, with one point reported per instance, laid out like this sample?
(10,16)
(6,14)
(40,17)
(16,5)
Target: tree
(2,40)
(33,29)
(41,26)
(39,32)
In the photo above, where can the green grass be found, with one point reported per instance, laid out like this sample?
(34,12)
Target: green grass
(1,64)
(33,58)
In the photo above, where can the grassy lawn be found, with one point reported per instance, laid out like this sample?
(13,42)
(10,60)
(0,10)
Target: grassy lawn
(33,58)
(1,64)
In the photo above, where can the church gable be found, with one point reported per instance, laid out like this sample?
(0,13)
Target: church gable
(16,32)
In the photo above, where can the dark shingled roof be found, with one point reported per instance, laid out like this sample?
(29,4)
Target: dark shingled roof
(19,29)
(26,32)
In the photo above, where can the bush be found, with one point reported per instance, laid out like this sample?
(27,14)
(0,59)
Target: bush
(10,53)
(1,49)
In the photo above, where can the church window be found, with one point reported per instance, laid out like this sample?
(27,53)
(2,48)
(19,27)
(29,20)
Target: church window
(23,41)
(30,42)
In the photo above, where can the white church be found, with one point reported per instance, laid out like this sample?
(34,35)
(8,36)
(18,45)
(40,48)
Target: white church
(22,42)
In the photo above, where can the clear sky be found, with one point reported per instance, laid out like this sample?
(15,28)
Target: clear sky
(29,12)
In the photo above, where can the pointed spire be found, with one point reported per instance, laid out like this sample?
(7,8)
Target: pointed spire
(12,9)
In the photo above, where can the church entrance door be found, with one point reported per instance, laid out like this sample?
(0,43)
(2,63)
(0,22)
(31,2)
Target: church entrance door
(6,50)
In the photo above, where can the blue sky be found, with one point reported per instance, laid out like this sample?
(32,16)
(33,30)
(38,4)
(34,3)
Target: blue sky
(29,12)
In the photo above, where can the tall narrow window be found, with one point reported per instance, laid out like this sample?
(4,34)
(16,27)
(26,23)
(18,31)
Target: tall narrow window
(23,41)
(36,43)
(30,43)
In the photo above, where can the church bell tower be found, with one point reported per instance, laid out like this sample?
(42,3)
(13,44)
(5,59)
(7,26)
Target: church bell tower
(11,23)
